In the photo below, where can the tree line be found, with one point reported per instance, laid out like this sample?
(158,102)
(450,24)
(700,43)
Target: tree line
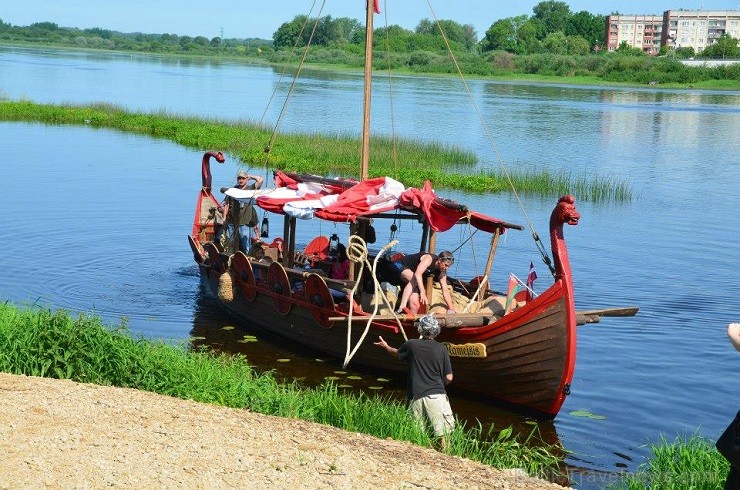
(97,38)
(553,41)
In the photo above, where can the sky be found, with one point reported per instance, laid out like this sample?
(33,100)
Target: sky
(252,19)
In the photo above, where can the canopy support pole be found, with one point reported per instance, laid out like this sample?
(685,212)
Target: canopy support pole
(489,263)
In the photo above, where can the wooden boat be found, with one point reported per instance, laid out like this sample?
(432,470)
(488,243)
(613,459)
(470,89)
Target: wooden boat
(524,358)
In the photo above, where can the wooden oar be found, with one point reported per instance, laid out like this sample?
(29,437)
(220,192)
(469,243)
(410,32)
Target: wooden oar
(456,320)
(624,311)
(594,316)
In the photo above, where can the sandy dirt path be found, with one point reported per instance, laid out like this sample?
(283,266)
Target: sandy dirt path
(62,434)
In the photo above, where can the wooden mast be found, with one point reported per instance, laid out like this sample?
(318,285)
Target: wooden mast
(367,89)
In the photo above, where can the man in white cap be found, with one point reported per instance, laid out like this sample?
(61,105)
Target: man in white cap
(430,371)
(247,216)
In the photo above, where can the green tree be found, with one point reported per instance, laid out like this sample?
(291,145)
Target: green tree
(169,38)
(464,35)
(529,41)
(577,45)
(553,15)
(503,35)
(725,46)
(347,28)
(97,31)
(45,26)
(289,33)
(555,43)
(588,26)
(626,49)
(684,52)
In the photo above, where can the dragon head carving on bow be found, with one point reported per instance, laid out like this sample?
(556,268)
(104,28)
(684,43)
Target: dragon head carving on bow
(565,212)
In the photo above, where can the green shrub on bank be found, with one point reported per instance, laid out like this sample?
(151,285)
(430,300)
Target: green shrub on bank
(39,342)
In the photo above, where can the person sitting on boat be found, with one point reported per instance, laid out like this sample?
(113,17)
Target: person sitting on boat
(412,269)
(247,216)
(430,370)
(257,252)
(340,264)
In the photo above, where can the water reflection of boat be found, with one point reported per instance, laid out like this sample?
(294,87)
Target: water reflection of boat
(523,356)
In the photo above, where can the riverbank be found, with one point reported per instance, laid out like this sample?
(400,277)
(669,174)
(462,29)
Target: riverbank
(63,434)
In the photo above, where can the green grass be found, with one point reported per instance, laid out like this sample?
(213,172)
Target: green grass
(683,464)
(338,155)
(39,342)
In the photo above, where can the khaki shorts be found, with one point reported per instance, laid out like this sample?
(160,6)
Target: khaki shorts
(437,410)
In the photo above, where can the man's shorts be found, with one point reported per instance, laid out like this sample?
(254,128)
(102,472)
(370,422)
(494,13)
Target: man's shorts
(437,410)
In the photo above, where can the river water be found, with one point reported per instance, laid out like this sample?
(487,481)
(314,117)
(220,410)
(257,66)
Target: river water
(96,220)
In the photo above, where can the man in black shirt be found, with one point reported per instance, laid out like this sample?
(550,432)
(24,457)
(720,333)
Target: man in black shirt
(429,371)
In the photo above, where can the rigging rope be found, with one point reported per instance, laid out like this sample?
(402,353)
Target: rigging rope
(268,147)
(492,143)
(298,39)
(357,252)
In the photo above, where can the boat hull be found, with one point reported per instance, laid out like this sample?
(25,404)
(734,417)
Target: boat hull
(524,360)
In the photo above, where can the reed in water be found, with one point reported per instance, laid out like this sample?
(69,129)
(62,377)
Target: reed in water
(447,167)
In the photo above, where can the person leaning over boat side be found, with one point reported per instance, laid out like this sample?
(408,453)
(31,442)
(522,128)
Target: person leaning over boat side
(247,217)
(412,268)
(430,371)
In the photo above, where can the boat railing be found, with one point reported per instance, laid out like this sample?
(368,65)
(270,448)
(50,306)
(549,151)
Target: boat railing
(296,273)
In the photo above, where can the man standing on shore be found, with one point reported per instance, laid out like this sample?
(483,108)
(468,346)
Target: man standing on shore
(430,371)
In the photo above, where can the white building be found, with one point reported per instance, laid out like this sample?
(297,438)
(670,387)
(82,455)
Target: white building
(638,31)
(698,28)
(675,29)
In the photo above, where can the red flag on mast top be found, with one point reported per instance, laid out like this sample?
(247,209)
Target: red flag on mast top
(376,6)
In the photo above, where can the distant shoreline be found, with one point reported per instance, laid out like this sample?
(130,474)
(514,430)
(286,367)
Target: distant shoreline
(576,80)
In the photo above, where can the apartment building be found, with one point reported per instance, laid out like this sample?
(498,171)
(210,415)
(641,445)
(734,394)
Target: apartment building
(698,28)
(639,31)
(674,29)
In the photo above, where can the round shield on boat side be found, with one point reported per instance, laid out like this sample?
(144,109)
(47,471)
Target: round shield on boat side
(214,258)
(198,253)
(318,248)
(277,281)
(322,304)
(244,276)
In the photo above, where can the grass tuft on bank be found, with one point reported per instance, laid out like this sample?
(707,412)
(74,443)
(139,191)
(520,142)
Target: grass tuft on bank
(39,342)
(336,155)
(681,464)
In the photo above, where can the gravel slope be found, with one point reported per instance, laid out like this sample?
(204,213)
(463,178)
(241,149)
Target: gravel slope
(62,434)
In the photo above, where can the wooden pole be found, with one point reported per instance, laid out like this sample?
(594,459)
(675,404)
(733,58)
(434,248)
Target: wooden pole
(352,272)
(286,235)
(367,91)
(489,262)
(291,243)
